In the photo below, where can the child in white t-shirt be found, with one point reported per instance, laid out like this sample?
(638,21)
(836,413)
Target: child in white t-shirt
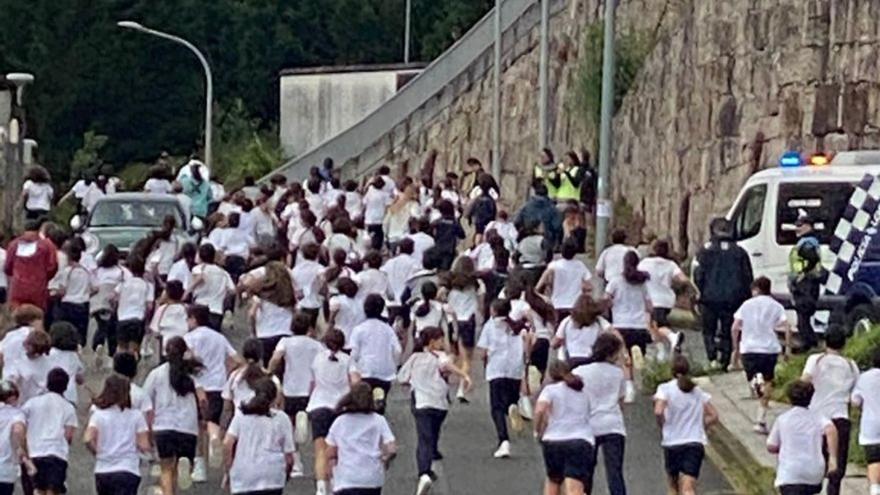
(866,397)
(51,423)
(346,311)
(169,319)
(134,298)
(65,355)
(75,289)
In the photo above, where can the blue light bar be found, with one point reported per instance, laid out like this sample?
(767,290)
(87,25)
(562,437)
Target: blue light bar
(791,159)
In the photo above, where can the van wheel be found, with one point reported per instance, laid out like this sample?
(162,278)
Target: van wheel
(861,319)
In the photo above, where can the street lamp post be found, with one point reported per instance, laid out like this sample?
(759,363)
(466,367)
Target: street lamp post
(407,31)
(603,206)
(543,75)
(15,149)
(496,96)
(209,84)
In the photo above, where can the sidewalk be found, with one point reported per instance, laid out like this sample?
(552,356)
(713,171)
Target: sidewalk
(736,409)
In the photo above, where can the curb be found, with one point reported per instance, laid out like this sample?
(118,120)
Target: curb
(744,473)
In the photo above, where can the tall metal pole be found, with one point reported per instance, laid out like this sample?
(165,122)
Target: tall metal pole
(496,97)
(603,206)
(209,81)
(406,31)
(543,74)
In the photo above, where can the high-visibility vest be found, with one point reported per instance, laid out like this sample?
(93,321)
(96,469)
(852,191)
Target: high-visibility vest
(566,189)
(540,174)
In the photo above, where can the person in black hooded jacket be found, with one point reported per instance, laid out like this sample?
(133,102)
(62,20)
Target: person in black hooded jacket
(723,276)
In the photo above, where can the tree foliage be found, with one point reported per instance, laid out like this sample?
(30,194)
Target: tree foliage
(146,94)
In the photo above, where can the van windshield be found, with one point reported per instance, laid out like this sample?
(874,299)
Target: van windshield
(824,202)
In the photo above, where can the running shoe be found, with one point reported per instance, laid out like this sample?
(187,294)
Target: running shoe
(321,488)
(503,451)
(100,354)
(425,483)
(629,394)
(757,384)
(461,396)
(184,474)
(200,471)
(297,472)
(515,418)
(676,341)
(302,428)
(378,399)
(215,451)
(638,358)
(534,379)
(525,408)
(761,429)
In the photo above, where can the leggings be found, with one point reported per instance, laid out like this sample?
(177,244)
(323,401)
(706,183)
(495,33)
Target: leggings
(612,446)
(503,393)
(105,334)
(428,424)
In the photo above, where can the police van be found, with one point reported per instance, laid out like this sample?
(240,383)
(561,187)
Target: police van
(841,195)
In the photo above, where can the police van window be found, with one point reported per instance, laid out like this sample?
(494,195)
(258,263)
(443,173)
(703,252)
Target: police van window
(824,202)
(749,213)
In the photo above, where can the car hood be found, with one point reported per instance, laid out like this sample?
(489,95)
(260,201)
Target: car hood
(125,238)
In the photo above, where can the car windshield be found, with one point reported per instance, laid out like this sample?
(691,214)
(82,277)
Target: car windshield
(134,214)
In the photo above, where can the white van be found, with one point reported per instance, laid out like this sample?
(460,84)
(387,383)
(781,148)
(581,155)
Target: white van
(764,213)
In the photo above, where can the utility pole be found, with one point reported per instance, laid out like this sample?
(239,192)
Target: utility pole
(496,98)
(543,75)
(603,205)
(407,31)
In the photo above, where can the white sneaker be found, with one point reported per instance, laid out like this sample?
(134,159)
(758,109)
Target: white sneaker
(534,378)
(757,384)
(321,488)
(379,398)
(525,408)
(184,474)
(761,429)
(503,451)
(425,483)
(629,395)
(155,471)
(461,396)
(215,452)
(676,341)
(301,430)
(200,471)
(297,472)
(714,365)
(638,358)
(662,355)
(515,418)
(100,354)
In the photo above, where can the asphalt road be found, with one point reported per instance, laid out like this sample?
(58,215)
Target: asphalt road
(467,442)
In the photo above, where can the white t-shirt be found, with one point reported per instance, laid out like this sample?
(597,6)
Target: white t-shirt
(504,350)
(358,439)
(465,303)
(424,371)
(212,349)
(157,186)
(484,258)
(162,257)
(421,243)
(117,439)
(684,414)
(140,401)
(39,195)
(375,203)
(171,411)
(331,379)
(262,443)
(76,282)
(629,304)
(299,352)
(353,203)
(134,295)
(579,340)
(375,349)
(833,377)
(663,272)
(506,230)
(170,320)
(70,362)
(180,271)
(760,316)
(569,277)
(12,348)
(435,317)
(604,384)
(306,282)
(371,281)
(349,314)
(48,416)
(520,310)
(233,242)
(9,461)
(212,291)
(272,320)
(4,280)
(238,391)
(399,269)
(569,414)
(798,433)
(610,263)
(30,375)
(866,394)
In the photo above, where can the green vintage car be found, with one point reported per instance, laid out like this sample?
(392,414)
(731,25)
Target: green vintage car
(123,219)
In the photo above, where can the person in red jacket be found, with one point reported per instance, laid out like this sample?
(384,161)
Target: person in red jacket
(31,262)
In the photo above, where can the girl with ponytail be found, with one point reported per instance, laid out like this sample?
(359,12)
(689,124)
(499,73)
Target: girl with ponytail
(562,422)
(505,346)
(578,332)
(465,297)
(683,411)
(333,374)
(240,387)
(427,371)
(428,312)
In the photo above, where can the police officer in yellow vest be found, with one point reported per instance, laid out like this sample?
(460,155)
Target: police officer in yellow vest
(563,181)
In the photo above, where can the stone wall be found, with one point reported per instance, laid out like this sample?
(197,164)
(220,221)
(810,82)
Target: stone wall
(729,89)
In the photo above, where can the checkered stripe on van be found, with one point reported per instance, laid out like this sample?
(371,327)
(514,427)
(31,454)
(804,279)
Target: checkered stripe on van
(856,228)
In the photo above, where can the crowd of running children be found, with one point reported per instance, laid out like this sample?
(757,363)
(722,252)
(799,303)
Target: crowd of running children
(350,287)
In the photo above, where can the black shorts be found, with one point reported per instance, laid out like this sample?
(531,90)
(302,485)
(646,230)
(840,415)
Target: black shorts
(293,405)
(277,491)
(765,364)
(800,489)
(639,337)
(3,295)
(215,322)
(175,445)
(395,312)
(872,453)
(214,410)
(467,332)
(130,331)
(51,474)
(313,315)
(7,488)
(321,420)
(572,459)
(661,316)
(684,459)
(269,345)
(117,483)
(540,355)
(359,491)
